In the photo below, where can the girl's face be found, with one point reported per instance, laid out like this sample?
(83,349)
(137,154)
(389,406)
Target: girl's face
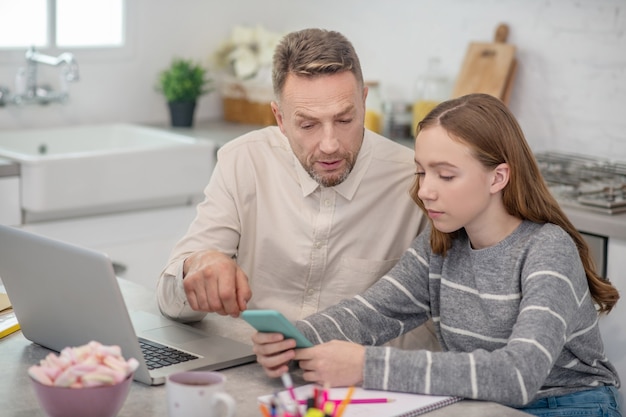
(456,189)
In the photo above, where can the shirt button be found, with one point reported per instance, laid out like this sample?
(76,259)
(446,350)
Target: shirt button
(327,202)
(318,245)
(311,291)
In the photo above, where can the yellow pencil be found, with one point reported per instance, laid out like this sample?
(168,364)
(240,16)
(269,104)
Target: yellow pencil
(342,406)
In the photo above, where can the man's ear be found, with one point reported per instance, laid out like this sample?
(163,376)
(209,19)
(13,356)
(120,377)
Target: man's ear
(501,175)
(277,115)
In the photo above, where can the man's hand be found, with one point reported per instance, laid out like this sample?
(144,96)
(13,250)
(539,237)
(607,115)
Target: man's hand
(214,283)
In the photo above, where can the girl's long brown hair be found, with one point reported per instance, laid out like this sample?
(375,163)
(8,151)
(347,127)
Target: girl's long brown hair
(486,125)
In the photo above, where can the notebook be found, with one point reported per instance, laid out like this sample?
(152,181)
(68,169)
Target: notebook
(8,323)
(65,295)
(399,404)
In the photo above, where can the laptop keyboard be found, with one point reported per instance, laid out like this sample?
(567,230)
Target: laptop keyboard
(158,355)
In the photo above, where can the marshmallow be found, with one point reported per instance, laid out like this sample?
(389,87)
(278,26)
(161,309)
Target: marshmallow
(89,365)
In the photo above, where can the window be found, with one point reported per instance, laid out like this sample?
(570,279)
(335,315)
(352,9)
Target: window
(93,23)
(24,23)
(62,24)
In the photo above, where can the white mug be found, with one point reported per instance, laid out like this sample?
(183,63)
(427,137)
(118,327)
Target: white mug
(198,394)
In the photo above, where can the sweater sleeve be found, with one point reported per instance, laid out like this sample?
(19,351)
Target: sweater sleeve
(554,307)
(383,312)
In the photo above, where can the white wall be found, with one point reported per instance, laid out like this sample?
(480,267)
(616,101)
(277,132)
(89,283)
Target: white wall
(570,92)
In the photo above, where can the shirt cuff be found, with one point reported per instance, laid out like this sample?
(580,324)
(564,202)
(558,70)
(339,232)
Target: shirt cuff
(171,297)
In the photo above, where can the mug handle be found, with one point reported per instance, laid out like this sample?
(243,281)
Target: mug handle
(228,402)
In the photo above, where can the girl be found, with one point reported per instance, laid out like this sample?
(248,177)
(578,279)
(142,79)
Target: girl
(506,278)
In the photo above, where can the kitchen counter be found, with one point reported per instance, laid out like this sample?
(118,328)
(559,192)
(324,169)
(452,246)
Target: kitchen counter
(612,226)
(218,131)
(245,383)
(9,168)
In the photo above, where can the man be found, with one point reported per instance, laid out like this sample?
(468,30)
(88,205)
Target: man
(299,216)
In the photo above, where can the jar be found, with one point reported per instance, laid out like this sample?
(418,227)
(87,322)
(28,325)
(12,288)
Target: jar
(398,117)
(374,107)
(431,88)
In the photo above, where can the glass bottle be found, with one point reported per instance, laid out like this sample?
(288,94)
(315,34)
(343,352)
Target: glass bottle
(431,88)
(397,117)
(374,107)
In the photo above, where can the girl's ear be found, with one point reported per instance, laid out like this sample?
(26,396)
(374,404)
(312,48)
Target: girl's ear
(500,177)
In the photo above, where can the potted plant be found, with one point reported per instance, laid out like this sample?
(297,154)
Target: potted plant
(181,84)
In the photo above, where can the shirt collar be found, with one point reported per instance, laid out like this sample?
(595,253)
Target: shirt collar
(347,188)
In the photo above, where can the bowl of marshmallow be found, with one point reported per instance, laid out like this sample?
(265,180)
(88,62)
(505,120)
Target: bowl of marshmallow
(89,380)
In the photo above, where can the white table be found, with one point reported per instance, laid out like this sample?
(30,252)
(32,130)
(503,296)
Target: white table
(245,383)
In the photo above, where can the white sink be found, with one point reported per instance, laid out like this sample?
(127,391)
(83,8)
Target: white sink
(98,169)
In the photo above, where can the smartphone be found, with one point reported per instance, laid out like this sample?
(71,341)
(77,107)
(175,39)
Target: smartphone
(272,321)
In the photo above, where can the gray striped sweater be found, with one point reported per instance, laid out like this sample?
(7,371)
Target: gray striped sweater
(515,321)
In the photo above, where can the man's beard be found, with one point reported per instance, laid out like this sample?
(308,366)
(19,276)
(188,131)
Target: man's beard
(326,181)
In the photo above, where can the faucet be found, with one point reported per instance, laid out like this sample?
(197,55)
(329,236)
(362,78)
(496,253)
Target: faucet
(42,94)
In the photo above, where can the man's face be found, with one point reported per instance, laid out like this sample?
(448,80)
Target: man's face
(323,119)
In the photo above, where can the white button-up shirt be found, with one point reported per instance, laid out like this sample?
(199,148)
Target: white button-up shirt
(303,247)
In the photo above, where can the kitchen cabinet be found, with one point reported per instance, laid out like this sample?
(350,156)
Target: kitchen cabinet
(612,325)
(139,242)
(616,266)
(597,248)
(10,212)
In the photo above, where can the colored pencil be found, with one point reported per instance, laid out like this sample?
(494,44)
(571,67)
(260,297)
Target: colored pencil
(288,383)
(344,403)
(264,411)
(357,401)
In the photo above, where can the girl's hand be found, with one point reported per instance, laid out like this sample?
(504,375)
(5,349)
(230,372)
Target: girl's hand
(337,363)
(273,352)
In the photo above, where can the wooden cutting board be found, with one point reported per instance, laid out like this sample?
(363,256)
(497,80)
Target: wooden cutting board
(488,68)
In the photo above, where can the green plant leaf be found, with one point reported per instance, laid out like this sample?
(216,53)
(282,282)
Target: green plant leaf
(184,80)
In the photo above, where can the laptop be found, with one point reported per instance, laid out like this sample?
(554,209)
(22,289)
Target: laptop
(66,295)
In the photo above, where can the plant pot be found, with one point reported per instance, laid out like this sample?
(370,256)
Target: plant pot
(182,112)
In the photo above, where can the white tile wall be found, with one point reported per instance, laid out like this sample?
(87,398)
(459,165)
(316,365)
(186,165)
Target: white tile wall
(570,94)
